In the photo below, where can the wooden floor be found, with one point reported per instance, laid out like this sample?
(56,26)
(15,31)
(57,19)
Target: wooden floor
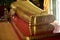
(7,32)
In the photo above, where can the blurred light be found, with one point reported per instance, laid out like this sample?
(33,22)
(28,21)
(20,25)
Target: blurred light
(58,11)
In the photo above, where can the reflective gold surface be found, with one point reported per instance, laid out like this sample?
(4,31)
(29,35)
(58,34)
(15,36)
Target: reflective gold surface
(7,32)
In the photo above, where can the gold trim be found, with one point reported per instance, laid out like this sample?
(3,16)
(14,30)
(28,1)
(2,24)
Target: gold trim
(34,28)
(34,20)
(27,38)
(30,25)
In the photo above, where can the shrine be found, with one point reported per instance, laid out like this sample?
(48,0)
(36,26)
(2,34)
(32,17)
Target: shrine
(27,20)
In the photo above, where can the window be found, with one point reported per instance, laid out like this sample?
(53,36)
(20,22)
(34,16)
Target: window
(58,11)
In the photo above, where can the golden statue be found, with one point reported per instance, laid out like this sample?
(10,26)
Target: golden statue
(25,8)
(33,15)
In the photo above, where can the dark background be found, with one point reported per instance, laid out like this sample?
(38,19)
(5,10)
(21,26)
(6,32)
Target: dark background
(39,3)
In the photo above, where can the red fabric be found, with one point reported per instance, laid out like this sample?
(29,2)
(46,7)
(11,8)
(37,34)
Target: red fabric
(24,28)
(21,25)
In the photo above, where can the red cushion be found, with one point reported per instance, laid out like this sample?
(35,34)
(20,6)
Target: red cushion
(21,25)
